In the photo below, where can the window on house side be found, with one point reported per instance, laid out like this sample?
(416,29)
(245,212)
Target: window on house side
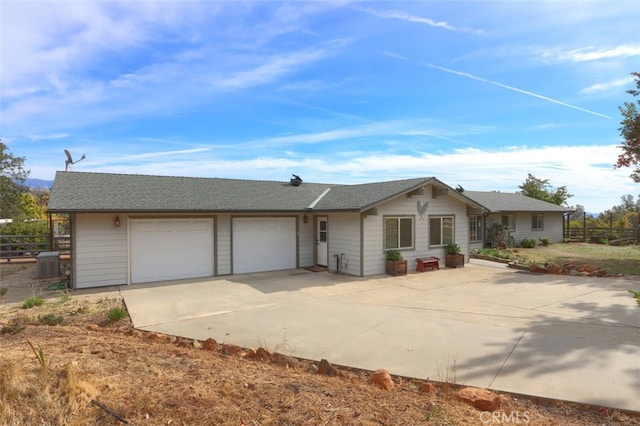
(441,230)
(398,233)
(509,221)
(537,222)
(475,228)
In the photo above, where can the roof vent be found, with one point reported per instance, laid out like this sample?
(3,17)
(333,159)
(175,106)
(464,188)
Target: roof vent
(296,180)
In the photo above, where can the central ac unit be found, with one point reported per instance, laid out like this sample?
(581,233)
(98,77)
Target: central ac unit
(48,264)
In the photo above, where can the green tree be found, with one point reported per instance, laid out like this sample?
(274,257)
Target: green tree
(31,206)
(630,132)
(627,204)
(624,215)
(578,212)
(12,177)
(541,189)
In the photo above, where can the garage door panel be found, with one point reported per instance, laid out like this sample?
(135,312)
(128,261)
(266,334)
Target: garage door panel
(263,244)
(170,249)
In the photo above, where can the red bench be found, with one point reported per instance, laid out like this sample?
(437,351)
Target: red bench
(423,263)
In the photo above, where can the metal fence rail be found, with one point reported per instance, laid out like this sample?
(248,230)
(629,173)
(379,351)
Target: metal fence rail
(29,246)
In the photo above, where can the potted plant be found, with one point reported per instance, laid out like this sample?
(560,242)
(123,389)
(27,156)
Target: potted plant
(395,264)
(453,257)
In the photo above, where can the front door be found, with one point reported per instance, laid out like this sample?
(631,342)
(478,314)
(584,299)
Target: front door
(321,241)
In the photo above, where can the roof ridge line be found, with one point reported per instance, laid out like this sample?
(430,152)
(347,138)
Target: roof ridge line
(317,200)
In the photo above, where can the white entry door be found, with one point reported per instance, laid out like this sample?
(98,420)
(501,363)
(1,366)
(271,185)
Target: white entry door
(321,242)
(171,249)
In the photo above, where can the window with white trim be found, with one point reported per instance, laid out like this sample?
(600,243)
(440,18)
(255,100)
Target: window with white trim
(537,222)
(441,230)
(398,232)
(475,228)
(509,221)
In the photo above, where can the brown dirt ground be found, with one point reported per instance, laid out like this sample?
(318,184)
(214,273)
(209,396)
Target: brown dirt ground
(150,379)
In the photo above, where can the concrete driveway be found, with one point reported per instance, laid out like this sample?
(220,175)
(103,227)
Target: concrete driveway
(569,338)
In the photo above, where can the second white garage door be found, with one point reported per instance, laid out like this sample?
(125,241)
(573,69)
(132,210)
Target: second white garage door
(171,249)
(263,244)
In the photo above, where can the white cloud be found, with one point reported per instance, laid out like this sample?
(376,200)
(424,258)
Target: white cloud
(409,17)
(49,136)
(397,14)
(269,70)
(594,54)
(381,129)
(601,87)
(545,126)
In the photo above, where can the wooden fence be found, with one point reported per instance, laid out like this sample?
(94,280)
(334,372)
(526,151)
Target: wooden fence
(29,246)
(600,235)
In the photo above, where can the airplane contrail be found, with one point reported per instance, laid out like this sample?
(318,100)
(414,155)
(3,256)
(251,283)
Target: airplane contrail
(515,89)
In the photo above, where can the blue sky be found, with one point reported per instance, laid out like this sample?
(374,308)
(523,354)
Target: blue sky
(478,94)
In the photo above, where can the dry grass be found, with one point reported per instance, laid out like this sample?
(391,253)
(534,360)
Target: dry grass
(624,260)
(159,380)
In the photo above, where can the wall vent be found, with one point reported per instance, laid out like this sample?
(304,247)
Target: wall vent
(48,264)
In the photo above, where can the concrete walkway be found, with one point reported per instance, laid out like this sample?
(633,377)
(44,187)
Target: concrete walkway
(568,338)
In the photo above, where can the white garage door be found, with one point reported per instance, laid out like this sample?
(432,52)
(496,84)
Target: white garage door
(171,249)
(264,244)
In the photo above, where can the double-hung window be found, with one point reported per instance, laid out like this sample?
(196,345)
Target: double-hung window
(509,221)
(398,232)
(441,230)
(475,228)
(537,222)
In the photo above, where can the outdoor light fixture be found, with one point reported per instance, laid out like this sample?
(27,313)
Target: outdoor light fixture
(116,222)
(305,219)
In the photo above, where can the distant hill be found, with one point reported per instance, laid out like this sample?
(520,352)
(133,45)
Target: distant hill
(38,183)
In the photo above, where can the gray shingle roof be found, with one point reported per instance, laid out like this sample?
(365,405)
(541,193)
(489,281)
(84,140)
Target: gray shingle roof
(513,202)
(94,192)
(81,191)
(363,196)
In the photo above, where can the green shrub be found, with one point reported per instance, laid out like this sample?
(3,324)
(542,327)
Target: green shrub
(529,243)
(495,253)
(544,242)
(15,326)
(636,295)
(452,248)
(117,313)
(498,235)
(52,319)
(394,255)
(30,302)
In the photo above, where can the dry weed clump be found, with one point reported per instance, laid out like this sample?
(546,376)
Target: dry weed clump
(55,394)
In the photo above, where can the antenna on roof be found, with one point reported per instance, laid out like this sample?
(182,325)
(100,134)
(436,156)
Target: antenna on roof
(70,160)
